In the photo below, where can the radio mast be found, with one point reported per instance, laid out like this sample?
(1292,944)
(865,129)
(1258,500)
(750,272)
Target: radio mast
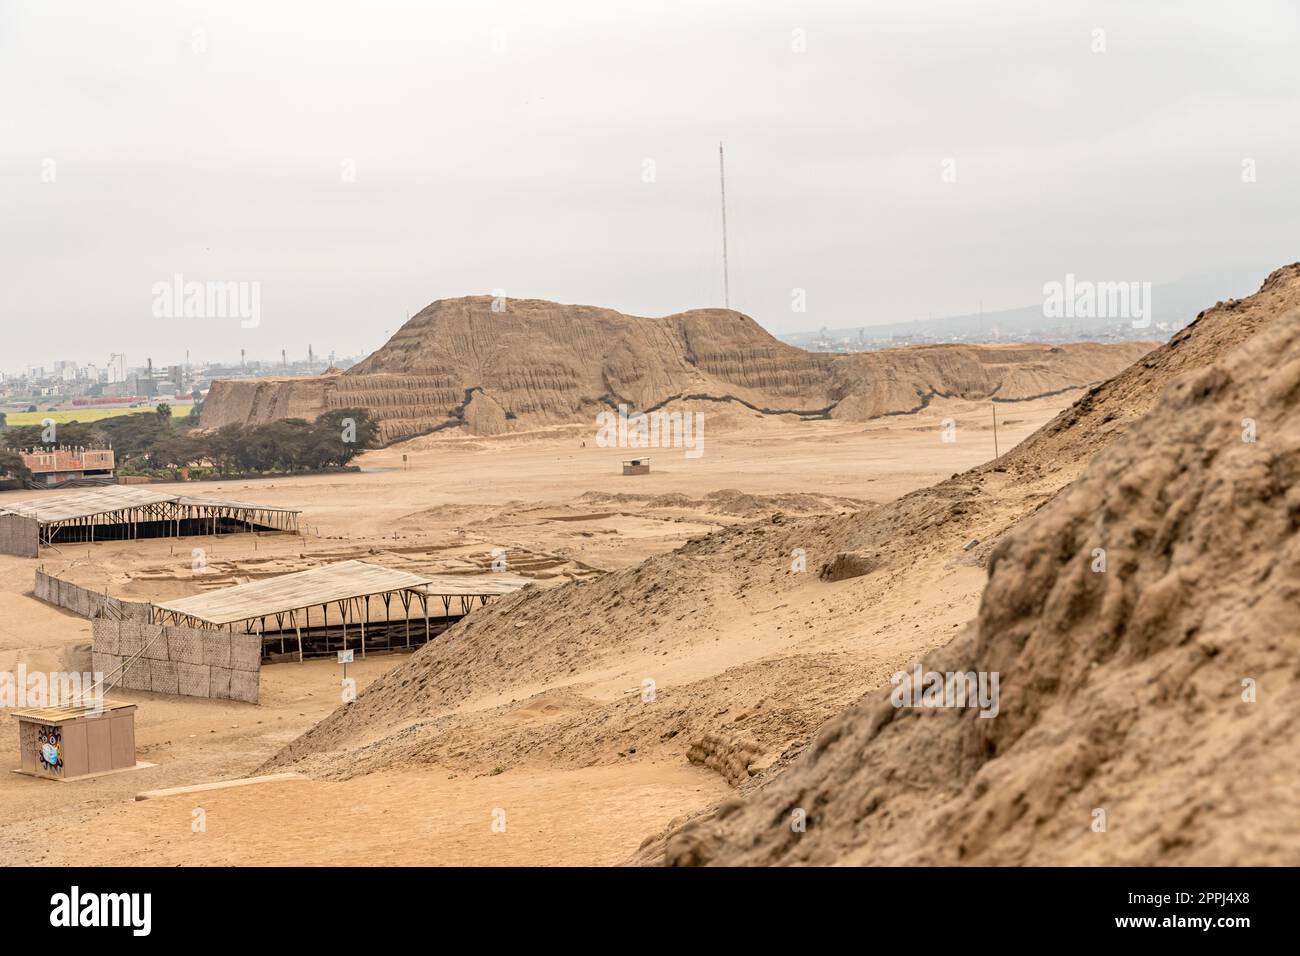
(722,176)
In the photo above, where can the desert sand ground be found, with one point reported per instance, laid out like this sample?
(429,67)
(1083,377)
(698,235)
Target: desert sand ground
(446,502)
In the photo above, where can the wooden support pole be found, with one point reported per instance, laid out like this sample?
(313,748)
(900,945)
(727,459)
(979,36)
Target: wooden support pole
(364,618)
(406,606)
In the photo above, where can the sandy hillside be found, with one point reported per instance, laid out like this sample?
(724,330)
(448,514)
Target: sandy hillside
(935,518)
(1157,691)
(1111,407)
(461,364)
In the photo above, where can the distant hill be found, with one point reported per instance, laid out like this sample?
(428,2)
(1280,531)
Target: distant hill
(1173,306)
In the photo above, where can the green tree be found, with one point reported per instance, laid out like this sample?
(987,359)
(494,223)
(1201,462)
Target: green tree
(178,451)
(132,436)
(12,465)
(69,433)
(154,440)
(222,446)
(340,435)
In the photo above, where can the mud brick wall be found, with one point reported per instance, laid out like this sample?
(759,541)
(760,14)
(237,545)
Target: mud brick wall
(189,662)
(20,536)
(84,601)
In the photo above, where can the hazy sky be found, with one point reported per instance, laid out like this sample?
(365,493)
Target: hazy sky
(505,145)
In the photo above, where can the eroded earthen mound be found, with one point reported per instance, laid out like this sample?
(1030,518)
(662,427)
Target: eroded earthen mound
(461,364)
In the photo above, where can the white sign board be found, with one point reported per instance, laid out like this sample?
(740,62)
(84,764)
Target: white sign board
(345,657)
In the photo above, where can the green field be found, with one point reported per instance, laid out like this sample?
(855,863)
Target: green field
(87,414)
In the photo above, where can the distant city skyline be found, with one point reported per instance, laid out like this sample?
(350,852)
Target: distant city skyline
(49,362)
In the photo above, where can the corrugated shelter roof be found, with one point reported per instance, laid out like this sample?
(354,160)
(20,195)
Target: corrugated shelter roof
(292,592)
(474,585)
(208,501)
(61,713)
(97,501)
(86,502)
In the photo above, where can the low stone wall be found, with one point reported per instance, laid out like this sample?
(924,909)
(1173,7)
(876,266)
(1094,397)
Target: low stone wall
(86,602)
(190,662)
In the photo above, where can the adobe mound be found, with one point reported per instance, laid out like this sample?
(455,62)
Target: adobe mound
(1121,690)
(461,364)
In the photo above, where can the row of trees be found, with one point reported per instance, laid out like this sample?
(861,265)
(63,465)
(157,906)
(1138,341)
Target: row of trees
(294,444)
(153,441)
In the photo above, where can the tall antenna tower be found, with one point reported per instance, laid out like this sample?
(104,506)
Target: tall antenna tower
(722,175)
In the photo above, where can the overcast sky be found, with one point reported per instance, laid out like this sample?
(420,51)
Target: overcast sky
(362,159)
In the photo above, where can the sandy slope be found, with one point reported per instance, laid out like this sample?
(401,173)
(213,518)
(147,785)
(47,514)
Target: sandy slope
(747,655)
(1128,730)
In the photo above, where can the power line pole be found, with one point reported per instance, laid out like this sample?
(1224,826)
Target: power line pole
(722,176)
(995,431)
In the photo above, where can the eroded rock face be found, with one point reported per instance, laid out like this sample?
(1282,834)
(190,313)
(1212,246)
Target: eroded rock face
(730,755)
(459,364)
(850,564)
